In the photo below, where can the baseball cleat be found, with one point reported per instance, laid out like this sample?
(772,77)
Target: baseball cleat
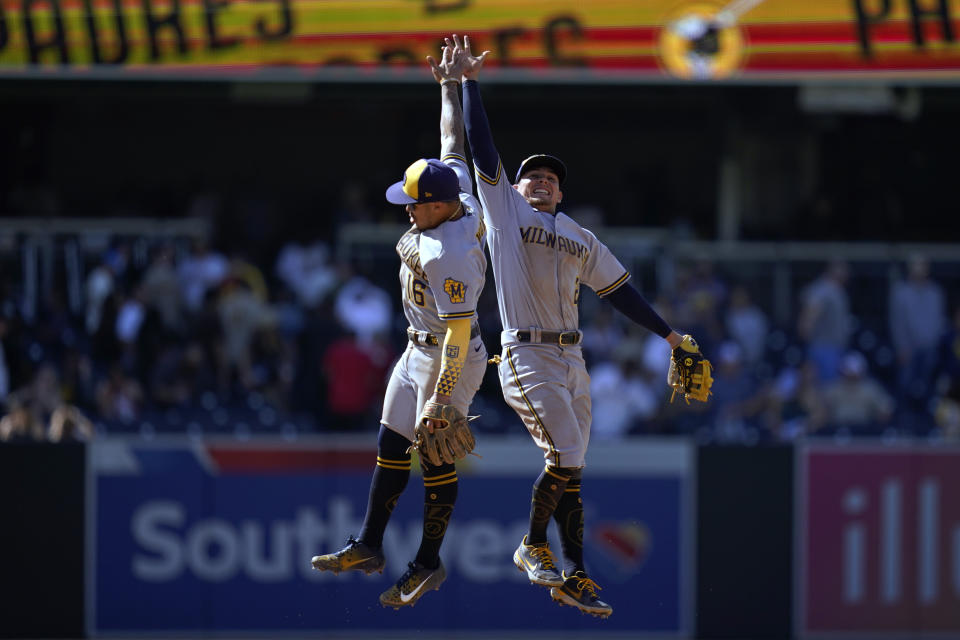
(356,556)
(411,586)
(537,561)
(581,592)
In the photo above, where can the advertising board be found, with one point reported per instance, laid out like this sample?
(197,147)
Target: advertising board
(188,536)
(879,541)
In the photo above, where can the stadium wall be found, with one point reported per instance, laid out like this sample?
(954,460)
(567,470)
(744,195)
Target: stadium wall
(42,511)
(814,541)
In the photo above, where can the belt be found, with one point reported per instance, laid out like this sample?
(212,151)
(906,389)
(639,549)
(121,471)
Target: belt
(427,339)
(562,338)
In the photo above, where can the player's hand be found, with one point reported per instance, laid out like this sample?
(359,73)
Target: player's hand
(471,64)
(432,424)
(448,68)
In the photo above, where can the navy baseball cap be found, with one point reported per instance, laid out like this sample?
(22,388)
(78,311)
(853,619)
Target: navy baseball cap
(425,181)
(538,160)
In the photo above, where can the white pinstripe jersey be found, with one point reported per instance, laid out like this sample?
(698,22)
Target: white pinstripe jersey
(442,270)
(540,260)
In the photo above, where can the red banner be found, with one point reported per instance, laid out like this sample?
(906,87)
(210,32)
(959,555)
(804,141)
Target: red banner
(880,541)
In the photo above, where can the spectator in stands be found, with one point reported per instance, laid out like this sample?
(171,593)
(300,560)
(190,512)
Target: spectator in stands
(825,321)
(201,271)
(119,397)
(363,308)
(737,401)
(139,334)
(131,314)
(306,270)
(356,380)
(917,325)
(44,394)
(68,424)
(160,290)
(242,314)
(106,278)
(856,402)
(747,324)
(623,398)
(794,403)
(244,271)
(20,424)
(101,283)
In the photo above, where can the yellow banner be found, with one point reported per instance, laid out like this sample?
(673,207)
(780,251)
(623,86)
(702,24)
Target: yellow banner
(575,40)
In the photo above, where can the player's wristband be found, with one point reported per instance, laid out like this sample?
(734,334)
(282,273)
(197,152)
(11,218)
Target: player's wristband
(448,81)
(455,345)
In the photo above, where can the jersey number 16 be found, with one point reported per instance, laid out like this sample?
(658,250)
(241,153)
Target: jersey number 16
(415,290)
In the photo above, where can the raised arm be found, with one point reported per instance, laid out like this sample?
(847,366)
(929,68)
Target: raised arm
(485,155)
(448,72)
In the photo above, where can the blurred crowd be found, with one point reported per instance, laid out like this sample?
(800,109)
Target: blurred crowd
(184,337)
(829,373)
(195,339)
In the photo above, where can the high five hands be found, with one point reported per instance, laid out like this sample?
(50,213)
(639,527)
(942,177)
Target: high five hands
(457,59)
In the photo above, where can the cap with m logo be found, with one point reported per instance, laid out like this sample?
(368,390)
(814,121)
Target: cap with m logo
(425,181)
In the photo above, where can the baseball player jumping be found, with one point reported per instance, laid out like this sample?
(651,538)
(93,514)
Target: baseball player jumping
(540,258)
(442,270)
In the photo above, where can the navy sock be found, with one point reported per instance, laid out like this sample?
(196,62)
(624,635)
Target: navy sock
(389,480)
(547,491)
(439,495)
(569,517)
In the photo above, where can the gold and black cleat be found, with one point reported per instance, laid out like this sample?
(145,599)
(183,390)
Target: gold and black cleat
(356,556)
(581,592)
(411,586)
(536,560)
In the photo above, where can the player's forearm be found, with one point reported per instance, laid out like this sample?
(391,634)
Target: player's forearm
(628,301)
(452,137)
(485,156)
(455,345)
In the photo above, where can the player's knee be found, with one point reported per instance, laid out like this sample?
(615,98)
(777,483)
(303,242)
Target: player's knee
(391,445)
(565,472)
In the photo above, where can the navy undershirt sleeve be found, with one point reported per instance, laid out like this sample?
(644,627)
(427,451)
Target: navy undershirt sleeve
(628,301)
(485,155)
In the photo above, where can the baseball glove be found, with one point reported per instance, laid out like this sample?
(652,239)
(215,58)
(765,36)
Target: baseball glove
(446,444)
(689,372)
